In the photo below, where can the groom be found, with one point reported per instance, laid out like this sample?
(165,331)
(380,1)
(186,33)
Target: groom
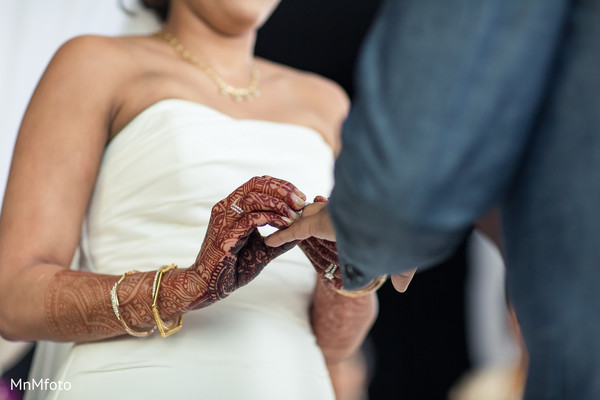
(467,104)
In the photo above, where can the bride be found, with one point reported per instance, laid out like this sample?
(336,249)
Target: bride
(129,154)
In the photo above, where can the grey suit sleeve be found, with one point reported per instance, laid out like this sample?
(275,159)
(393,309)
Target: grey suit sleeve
(447,94)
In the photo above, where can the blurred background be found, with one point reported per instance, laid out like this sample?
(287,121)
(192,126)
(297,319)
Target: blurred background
(450,332)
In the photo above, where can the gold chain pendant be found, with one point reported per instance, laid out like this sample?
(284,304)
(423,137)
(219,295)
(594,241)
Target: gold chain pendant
(237,94)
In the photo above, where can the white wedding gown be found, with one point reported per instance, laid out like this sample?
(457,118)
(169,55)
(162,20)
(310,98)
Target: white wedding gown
(159,179)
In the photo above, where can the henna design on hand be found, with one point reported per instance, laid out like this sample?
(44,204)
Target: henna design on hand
(256,253)
(78,305)
(321,254)
(233,252)
(341,323)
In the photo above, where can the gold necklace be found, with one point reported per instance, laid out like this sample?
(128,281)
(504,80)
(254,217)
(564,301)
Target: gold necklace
(237,94)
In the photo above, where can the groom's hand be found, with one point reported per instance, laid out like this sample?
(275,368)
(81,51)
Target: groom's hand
(402,280)
(315,222)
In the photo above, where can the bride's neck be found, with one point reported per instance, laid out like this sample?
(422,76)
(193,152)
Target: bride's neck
(230,55)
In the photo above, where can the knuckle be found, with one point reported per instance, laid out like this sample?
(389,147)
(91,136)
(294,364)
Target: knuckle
(217,208)
(252,197)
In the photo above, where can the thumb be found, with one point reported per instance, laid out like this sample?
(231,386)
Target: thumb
(402,280)
(299,230)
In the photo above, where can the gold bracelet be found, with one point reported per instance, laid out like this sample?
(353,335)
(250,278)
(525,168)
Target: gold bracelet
(164,328)
(114,299)
(370,288)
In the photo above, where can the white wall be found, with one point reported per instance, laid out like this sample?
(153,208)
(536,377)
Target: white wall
(30,33)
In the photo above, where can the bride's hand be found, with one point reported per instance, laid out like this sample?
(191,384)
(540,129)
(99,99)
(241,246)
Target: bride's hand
(233,252)
(321,253)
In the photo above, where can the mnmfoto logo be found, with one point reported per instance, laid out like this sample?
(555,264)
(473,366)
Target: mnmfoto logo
(41,384)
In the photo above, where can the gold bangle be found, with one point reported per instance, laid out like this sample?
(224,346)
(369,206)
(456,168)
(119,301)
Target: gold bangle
(164,328)
(114,299)
(370,288)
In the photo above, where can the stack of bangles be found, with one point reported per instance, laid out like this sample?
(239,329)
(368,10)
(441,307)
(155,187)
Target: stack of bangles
(369,288)
(164,328)
(167,329)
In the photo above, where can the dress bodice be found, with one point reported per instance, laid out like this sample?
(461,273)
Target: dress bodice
(159,179)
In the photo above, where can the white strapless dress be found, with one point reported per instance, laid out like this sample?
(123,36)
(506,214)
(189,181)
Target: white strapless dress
(159,179)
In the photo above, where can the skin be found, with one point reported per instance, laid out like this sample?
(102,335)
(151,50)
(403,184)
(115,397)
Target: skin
(59,150)
(232,254)
(316,223)
(342,315)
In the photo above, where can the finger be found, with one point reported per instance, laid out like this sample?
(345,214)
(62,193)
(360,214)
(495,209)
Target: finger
(283,190)
(285,184)
(255,219)
(277,251)
(325,252)
(254,256)
(237,232)
(329,245)
(318,260)
(300,230)
(255,250)
(255,201)
(321,261)
(402,280)
(252,259)
(318,225)
(321,257)
(311,209)
(274,187)
(320,199)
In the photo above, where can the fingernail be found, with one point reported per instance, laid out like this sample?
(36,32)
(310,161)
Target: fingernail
(300,194)
(297,200)
(287,220)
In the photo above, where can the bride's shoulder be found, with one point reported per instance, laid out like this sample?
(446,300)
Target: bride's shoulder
(103,64)
(112,58)
(87,50)
(108,52)
(308,85)
(91,61)
(321,96)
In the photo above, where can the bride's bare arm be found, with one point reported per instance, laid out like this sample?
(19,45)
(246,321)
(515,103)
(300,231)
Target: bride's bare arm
(77,305)
(56,160)
(341,323)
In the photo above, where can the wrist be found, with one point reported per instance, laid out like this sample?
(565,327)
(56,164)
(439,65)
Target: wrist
(180,291)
